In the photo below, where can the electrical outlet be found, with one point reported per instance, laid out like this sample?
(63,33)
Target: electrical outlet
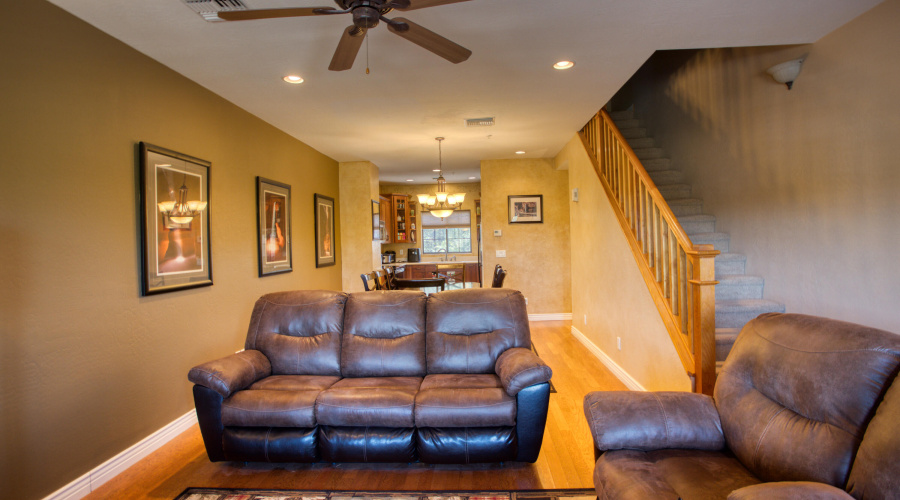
(585,319)
(501,253)
(619,343)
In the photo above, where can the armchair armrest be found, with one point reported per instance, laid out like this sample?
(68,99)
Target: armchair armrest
(789,490)
(231,373)
(519,368)
(653,421)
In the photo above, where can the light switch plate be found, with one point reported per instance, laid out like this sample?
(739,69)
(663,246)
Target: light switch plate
(501,253)
(498,232)
(575,194)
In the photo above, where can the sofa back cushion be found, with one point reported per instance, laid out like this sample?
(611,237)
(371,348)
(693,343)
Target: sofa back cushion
(467,330)
(384,334)
(797,392)
(299,331)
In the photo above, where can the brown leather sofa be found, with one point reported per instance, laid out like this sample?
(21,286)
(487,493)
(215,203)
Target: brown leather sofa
(387,376)
(804,408)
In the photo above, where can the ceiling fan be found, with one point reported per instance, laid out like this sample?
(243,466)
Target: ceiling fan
(366,15)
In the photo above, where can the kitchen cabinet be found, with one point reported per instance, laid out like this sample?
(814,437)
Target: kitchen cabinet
(400,218)
(386,212)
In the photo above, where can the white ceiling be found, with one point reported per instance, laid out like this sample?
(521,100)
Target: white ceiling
(392,115)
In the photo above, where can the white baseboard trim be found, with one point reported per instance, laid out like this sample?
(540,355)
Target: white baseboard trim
(550,317)
(92,480)
(617,370)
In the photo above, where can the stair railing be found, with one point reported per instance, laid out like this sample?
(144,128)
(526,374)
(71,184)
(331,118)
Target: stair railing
(679,274)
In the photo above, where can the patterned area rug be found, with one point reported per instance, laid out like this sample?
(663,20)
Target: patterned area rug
(235,494)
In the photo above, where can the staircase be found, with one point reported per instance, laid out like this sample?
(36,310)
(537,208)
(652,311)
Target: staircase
(739,296)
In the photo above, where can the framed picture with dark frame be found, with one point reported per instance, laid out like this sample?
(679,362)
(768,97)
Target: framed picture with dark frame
(273,221)
(376,221)
(524,209)
(324,214)
(174,225)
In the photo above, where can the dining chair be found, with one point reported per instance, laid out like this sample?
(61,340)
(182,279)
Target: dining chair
(368,280)
(499,276)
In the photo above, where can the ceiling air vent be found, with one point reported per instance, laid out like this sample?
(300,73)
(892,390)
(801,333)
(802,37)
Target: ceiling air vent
(480,122)
(209,9)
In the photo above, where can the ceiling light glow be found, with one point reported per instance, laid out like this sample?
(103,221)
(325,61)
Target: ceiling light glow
(293,79)
(520,152)
(564,65)
(410,180)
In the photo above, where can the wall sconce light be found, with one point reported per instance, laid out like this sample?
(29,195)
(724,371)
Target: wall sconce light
(786,72)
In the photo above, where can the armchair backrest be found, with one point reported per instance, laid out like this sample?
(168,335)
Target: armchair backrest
(797,393)
(384,334)
(299,331)
(467,330)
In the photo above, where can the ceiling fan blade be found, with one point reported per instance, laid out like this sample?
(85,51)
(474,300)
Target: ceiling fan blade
(429,40)
(247,15)
(421,4)
(347,49)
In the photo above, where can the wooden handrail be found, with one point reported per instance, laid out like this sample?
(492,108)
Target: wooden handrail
(679,274)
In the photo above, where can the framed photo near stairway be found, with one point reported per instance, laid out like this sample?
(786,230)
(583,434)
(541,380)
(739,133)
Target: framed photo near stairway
(174,206)
(273,221)
(324,215)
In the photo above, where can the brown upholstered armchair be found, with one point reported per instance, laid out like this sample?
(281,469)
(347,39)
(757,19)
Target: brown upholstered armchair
(804,408)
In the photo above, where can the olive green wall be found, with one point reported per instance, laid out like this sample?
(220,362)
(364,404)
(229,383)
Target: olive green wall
(87,366)
(806,180)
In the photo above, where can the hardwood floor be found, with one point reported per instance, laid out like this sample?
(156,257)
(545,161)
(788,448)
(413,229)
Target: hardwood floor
(566,459)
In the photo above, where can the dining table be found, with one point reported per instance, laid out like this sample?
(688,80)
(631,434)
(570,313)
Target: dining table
(403,283)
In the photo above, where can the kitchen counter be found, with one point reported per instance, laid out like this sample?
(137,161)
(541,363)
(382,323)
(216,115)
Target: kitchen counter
(427,262)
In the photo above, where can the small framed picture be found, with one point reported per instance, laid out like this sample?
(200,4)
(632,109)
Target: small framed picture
(324,214)
(525,209)
(273,221)
(174,205)
(376,221)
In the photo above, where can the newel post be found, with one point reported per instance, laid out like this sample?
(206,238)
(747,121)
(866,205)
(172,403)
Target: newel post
(703,284)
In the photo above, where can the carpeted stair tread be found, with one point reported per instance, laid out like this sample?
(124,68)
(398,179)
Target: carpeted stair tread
(649,153)
(675,191)
(719,241)
(736,313)
(729,264)
(633,133)
(686,206)
(739,286)
(626,114)
(698,224)
(656,164)
(725,338)
(663,177)
(630,123)
(641,142)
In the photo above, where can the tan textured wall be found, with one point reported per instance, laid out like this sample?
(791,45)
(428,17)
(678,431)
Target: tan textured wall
(359,252)
(88,367)
(608,289)
(537,255)
(473,192)
(806,180)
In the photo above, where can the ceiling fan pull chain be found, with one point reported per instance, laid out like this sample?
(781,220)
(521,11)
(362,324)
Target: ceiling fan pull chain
(367,52)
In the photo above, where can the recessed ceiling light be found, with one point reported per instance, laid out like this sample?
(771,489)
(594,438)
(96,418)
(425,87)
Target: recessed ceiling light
(564,65)
(470,178)
(410,180)
(520,152)
(293,79)
(436,170)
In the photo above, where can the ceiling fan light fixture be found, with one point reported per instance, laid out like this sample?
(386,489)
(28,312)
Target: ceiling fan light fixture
(563,65)
(294,79)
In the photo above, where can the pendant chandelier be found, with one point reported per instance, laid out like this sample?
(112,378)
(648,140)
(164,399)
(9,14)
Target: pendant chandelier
(182,211)
(441,204)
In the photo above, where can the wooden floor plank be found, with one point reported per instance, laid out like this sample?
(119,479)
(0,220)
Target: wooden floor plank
(566,459)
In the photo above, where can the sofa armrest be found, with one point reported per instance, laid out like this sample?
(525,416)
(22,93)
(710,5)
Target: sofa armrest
(231,373)
(519,368)
(653,421)
(789,490)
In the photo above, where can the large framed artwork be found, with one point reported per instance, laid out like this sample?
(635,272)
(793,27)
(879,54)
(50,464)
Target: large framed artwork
(524,209)
(174,205)
(324,214)
(273,219)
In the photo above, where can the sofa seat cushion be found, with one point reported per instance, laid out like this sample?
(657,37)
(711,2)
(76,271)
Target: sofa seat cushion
(295,383)
(669,474)
(369,402)
(464,401)
(270,408)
